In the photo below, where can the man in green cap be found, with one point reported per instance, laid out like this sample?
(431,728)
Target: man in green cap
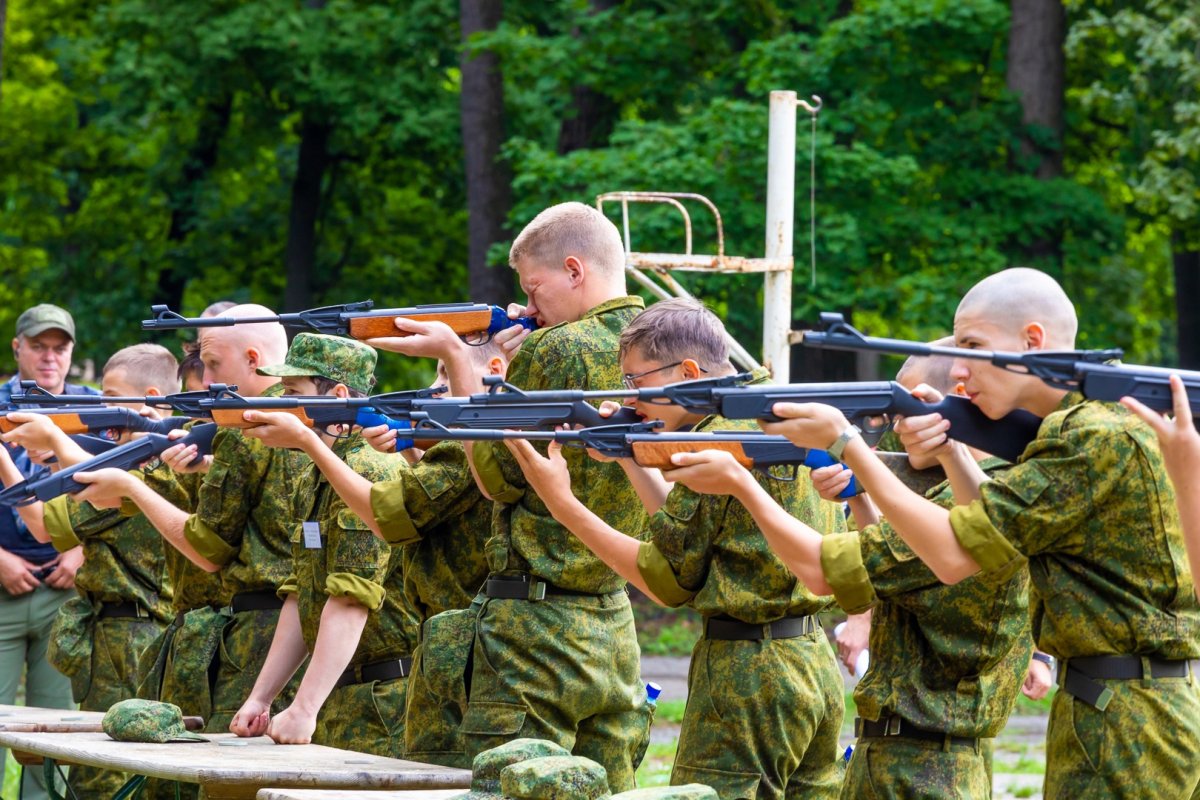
(35,579)
(345,600)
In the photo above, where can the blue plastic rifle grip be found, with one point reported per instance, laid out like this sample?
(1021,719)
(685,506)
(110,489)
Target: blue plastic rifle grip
(368,418)
(501,321)
(819,458)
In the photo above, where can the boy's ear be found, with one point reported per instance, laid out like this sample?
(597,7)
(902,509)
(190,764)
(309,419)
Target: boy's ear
(691,369)
(496,366)
(341,391)
(1035,336)
(153,391)
(253,357)
(575,270)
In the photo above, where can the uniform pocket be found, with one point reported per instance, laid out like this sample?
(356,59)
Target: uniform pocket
(494,719)
(446,643)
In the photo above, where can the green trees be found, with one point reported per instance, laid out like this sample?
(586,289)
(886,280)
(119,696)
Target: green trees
(299,152)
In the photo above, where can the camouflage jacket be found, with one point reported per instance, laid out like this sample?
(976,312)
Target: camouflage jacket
(946,658)
(123,557)
(1091,507)
(247,508)
(705,551)
(351,561)
(435,513)
(572,355)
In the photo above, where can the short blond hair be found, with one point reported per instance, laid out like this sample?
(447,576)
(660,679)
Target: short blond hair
(146,366)
(675,329)
(570,229)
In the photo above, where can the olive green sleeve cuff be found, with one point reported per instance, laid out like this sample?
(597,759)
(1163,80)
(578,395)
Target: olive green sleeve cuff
(366,593)
(491,476)
(289,586)
(391,513)
(206,541)
(57,519)
(842,563)
(998,560)
(660,578)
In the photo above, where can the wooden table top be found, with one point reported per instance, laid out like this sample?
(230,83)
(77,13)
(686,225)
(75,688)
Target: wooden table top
(324,794)
(229,767)
(33,719)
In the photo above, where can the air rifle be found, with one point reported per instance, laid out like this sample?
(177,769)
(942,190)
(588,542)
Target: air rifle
(1084,371)
(185,403)
(862,403)
(360,320)
(95,419)
(126,456)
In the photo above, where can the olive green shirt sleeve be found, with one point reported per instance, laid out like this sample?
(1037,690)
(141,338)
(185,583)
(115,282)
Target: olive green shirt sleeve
(226,495)
(659,576)
(57,519)
(436,488)
(357,563)
(842,564)
(674,560)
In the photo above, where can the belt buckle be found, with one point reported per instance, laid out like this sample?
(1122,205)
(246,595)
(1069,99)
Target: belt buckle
(892,726)
(403,671)
(537,590)
(141,612)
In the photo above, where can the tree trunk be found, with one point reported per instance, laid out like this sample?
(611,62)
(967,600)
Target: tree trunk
(3,19)
(200,160)
(489,193)
(594,114)
(1187,291)
(1036,74)
(301,254)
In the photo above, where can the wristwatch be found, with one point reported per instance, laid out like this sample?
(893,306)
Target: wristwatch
(838,447)
(1046,659)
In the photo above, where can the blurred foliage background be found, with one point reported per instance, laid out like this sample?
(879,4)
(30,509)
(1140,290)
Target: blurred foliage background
(300,153)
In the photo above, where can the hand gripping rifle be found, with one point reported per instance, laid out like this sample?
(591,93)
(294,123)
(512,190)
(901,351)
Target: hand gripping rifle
(1084,371)
(126,456)
(361,320)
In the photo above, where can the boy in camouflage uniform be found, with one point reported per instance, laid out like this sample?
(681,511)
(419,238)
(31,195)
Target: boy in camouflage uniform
(344,599)
(1089,505)
(764,692)
(550,607)
(245,512)
(124,596)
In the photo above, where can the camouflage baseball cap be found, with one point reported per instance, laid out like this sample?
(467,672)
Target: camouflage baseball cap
(555,778)
(320,355)
(147,721)
(689,791)
(488,765)
(44,317)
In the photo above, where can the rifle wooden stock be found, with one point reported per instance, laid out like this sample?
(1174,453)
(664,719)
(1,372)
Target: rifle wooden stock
(67,423)
(232,417)
(461,322)
(658,454)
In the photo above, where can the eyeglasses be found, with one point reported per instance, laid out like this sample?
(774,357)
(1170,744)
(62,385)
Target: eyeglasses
(631,379)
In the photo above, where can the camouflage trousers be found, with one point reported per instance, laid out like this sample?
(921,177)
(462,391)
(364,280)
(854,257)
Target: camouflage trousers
(1145,744)
(117,643)
(566,669)
(437,688)
(896,768)
(762,719)
(365,717)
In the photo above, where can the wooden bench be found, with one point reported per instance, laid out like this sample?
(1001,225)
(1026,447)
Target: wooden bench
(230,768)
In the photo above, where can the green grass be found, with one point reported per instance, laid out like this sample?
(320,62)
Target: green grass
(656,766)
(12,776)
(670,711)
(1029,707)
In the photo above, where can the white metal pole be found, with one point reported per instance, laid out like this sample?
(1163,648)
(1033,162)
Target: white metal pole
(781,188)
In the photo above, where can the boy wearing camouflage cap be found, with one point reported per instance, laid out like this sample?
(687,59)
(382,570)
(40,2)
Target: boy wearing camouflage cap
(344,598)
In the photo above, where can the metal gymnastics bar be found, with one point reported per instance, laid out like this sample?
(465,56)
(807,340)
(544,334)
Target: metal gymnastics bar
(653,271)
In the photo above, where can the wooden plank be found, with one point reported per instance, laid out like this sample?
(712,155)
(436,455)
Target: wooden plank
(31,719)
(228,767)
(325,794)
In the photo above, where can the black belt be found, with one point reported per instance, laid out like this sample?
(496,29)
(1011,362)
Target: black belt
(898,726)
(376,671)
(261,600)
(527,587)
(726,629)
(127,609)
(1080,677)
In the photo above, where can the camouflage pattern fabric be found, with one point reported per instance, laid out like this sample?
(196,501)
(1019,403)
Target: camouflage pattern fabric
(705,551)
(435,512)
(365,717)
(337,358)
(692,791)
(1143,745)
(945,658)
(907,769)
(762,719)
(244,644)
(522,651)
(352,562)
(572,355)
(437,688)
(555,778)
(1091,507)
(147,721)
(490,764)
(246,511)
